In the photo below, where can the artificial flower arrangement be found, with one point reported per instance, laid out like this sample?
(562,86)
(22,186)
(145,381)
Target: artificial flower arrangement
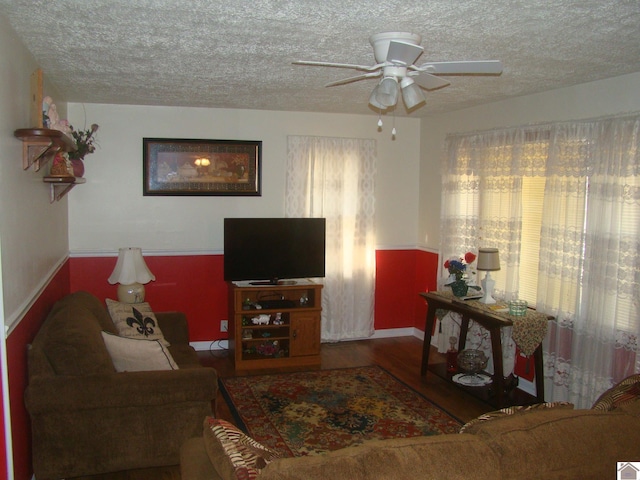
(457,267)
(84,142)
(458,274)
(66,163)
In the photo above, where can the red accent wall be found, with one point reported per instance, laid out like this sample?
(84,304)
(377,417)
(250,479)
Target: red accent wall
(400,276)
(194,284)
(17,343)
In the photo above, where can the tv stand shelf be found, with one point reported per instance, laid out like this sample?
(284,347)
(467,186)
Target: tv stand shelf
(273,326)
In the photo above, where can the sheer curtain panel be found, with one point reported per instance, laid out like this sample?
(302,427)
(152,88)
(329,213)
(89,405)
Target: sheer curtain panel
(583,251)
(334,178)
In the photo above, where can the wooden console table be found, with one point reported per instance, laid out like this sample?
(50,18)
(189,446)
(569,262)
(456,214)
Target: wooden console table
(532,331)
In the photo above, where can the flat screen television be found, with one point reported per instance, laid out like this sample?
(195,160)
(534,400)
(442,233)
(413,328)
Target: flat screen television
(273,250)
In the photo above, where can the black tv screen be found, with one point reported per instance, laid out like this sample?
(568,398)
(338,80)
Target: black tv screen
(270,250)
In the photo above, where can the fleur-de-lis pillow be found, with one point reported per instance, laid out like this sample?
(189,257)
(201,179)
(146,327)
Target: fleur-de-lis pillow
(135,320)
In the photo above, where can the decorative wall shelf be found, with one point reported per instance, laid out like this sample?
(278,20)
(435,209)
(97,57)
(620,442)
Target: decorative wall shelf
(40,145)
(60,186)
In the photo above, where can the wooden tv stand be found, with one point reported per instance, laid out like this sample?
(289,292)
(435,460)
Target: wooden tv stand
(273,326)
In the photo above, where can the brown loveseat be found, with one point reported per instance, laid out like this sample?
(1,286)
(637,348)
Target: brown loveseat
(556,443)
(88,419)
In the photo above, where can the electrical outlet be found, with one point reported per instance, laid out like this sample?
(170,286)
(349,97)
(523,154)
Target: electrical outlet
(224,325)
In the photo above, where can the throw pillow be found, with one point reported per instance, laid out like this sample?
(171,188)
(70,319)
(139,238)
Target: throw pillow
(133,355)
(471,426)
(234,455)
(135,320)
(625,392)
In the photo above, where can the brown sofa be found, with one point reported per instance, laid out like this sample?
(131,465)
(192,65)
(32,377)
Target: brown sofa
(88,419)
(556,443)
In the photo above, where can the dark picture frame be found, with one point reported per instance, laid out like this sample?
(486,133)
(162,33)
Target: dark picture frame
(176,166)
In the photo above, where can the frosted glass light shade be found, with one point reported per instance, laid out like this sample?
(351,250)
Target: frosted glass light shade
(411,93)
(387,92)
(373,100)
(131,272)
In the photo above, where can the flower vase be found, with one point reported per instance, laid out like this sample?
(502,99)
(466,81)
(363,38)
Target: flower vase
(78,167)
(459,288)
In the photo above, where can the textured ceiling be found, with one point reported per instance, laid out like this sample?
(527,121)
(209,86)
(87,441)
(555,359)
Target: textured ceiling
(239,53)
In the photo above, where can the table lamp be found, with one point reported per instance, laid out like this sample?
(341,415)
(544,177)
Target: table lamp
(131,272)
(488,261)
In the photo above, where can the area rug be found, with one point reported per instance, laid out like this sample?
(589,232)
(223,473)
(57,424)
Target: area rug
(307,413)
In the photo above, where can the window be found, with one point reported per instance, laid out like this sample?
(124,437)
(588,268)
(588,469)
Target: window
(562,204)
(532,202)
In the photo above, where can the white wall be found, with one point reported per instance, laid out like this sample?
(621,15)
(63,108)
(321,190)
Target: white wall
(109,211)
(33,233)
(589,100)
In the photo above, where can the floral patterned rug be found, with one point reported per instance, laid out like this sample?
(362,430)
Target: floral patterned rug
(307,413)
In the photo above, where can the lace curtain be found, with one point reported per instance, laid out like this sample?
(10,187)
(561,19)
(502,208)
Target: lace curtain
(334,178)
(589,260)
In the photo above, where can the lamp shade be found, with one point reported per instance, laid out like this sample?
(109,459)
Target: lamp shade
(130,268)
(488,259)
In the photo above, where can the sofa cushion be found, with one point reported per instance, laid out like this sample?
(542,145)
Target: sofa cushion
(71,341)
(91,303)
(560,443)
(133,355)
(434,457)
(135,320)
(471,426)
(625,392)
(233,454)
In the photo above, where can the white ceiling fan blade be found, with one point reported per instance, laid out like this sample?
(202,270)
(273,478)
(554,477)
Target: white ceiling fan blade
(486,67)
(366,68)
(354,79)
(428,81)
(403,53)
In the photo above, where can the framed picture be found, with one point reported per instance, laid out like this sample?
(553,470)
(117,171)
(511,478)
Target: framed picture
(201,167)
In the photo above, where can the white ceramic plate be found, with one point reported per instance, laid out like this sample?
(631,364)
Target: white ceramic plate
(478,380)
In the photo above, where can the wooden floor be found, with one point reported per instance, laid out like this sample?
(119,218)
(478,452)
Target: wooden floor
(400,356)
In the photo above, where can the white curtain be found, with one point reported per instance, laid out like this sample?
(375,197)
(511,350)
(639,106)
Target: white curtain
(588,276)
(334,178)
(590,258)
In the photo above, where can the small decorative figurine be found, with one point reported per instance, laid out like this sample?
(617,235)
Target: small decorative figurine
(261,319)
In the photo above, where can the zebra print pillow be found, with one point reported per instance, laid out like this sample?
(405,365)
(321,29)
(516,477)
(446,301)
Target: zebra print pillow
(234,455)
(625,392)
(471,426)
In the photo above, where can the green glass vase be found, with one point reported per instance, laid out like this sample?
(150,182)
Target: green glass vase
(459,288)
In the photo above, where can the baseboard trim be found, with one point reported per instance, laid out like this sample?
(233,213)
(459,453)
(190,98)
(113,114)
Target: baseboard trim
(210,345)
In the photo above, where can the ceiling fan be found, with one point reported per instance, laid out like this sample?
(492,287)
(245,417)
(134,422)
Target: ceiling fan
(396,54)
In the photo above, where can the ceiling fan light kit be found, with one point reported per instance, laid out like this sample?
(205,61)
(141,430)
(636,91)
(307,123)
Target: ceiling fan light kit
(395,54)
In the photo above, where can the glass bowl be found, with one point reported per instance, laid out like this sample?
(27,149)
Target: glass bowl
(472,360)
